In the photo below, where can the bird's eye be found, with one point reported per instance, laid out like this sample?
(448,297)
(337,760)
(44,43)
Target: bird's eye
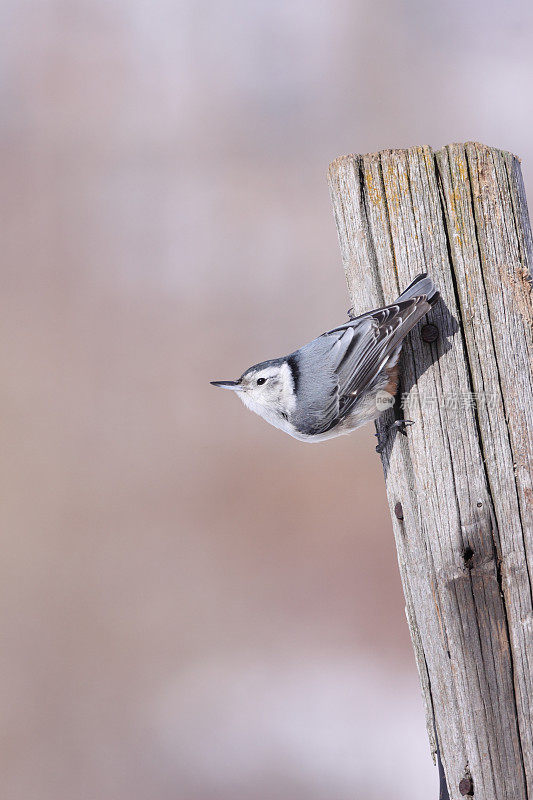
(261,381)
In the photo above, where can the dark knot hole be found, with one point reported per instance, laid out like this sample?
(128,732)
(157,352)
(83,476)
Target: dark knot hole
(468,555)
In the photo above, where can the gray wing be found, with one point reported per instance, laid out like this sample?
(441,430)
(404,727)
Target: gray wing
(337,368)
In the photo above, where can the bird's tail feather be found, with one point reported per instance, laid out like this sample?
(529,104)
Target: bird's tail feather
(422,284)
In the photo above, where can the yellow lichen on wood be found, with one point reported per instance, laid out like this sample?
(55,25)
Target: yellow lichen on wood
(373,191)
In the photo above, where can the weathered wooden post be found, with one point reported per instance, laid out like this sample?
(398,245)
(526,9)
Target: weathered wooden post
(459,484)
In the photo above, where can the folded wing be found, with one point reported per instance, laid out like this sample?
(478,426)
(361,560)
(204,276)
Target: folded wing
(343,363)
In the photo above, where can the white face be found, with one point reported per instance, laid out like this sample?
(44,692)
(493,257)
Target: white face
(270,388)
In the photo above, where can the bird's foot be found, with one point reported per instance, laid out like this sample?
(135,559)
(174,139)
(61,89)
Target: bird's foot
(380,447)
(400,425)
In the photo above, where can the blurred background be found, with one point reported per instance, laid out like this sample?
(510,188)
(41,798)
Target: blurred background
(195,606)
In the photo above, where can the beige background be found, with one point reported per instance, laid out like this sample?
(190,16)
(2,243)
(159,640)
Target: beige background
(195,607)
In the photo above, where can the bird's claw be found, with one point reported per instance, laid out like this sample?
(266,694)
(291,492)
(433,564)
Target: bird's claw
(400,425)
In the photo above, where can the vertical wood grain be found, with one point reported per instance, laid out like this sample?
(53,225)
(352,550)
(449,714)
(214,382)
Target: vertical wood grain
(463,472)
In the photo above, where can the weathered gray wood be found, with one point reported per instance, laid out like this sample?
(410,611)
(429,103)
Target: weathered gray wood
(463,473)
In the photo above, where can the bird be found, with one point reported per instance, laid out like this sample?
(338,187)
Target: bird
(342,379)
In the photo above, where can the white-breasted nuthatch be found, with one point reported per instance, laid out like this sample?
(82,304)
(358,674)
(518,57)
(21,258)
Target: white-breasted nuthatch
(340,380)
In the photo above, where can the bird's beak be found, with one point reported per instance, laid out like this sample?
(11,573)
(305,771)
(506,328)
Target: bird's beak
(227,384)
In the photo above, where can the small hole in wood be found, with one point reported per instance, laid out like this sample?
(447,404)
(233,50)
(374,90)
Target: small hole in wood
(468,555)
(466,787)
(479,504)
